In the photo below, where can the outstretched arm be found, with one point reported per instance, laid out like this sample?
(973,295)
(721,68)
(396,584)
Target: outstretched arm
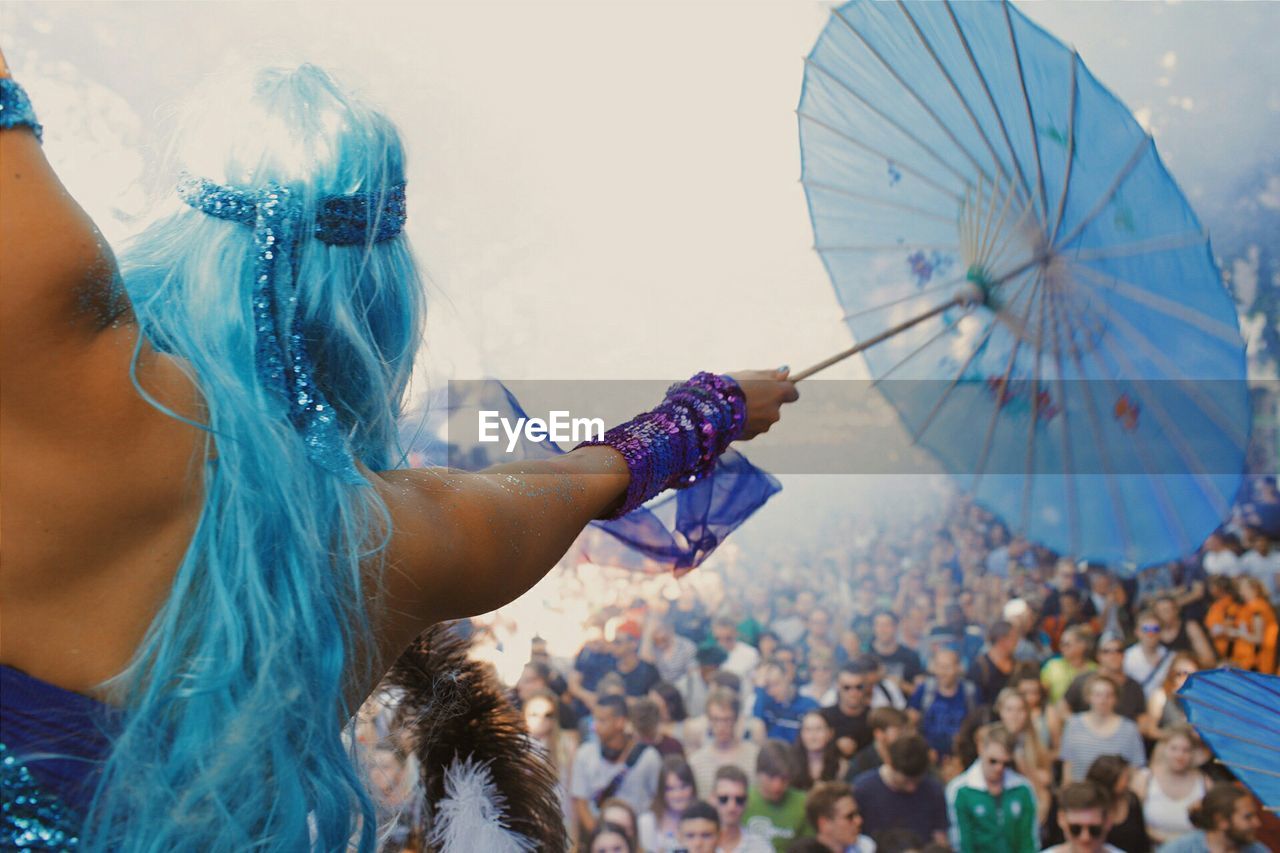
(466,543)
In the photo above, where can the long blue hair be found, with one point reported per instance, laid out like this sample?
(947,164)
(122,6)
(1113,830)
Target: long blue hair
(238,696)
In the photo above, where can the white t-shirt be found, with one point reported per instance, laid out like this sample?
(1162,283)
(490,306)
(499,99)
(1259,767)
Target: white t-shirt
(592,774)
(1260,567)
(1149,675)
(742,662)
(748,843)
(1221,563)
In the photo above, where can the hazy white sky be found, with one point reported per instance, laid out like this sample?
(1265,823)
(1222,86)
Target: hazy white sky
(602,189)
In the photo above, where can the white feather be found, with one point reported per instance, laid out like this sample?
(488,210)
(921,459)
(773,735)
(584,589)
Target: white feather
(472,814)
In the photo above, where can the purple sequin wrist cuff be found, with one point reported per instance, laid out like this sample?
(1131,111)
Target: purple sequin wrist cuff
(677,444)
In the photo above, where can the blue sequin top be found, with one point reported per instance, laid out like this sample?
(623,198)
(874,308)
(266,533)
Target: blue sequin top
(52,744)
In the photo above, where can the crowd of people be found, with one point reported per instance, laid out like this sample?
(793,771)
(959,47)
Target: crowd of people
(931,684)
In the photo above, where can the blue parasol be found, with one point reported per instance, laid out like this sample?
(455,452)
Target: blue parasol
(1047,316)
(1237,713)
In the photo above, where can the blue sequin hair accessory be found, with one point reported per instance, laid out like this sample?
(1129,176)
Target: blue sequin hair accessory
(16,109)
(280,352)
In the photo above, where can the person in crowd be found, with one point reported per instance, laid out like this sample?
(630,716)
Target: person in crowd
(688,616)
(672,654)
(1131,701)
(821,686)
(1128,830)
(1031,758)
(697,730)
(726,746)
(864,607)
(901,664)
(1171,785)
(1163,711)
(759,613)
(1109,601)
(848,717)
(787,656)
(885,692)
(399,810)
(697,682)
(902,794)
(638,676)
(1221,616)
(775,808)
(1084,816)
(593,662)
(1058,673)
(1073,613)
(1219,558)
(788,619)
(817,632)
(833,814)
(1147,661)
(1099,731)
(886,725)
(615,764)
(1180,634)
(1046,720)
(671,708)
(659,826)
(815,756)
(541,718)
(741,659)
(778,704)
(610,838)
(729,796)
(646,721)
(1262,560)
(1226,821)
(850,646)
(699,828)
(767,644)
(619,813)
(538,677)
(942,701)
(990,671)
(1254,633)
(991,807)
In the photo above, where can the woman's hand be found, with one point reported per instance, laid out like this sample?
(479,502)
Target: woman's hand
(766,392)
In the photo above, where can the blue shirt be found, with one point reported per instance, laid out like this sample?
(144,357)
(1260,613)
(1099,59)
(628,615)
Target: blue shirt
(782,720)
(1193,842)
(944,716)
(924,811)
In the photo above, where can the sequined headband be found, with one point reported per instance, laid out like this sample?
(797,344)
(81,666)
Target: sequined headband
(280,353)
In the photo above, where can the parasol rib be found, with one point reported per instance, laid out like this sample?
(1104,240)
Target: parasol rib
(1068,451)
(1163,243)
(1156,302)
(1026,100)
(946,327)
(984,454)
(1028,482)
(946,285)
(1124,173)
(859,144)
(1208,491)
(1004,130)
(1071,147)
(888,119)
(882,202)
(999,166)
(914,94)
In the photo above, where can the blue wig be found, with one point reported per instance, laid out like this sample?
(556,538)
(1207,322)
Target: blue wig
(238,695)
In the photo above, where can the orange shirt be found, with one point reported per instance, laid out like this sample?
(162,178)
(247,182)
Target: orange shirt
(1221,612)
(1247,655)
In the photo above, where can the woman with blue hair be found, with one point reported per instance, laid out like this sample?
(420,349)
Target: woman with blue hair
(210,557)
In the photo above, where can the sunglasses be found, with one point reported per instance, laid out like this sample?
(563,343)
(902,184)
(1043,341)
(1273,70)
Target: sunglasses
(998,762)
(1150,629)
(855,686)
(738,799)
(1090,829)
(1110,651)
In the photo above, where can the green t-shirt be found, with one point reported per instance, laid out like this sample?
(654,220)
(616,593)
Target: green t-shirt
(777,823)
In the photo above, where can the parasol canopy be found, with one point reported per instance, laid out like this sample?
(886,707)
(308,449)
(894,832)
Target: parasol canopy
(1237,713)
(1058,334)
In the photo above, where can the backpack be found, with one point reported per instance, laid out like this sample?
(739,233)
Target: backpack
(967,687)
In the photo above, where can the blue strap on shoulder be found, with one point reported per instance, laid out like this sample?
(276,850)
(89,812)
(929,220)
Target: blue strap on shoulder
(16,109)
